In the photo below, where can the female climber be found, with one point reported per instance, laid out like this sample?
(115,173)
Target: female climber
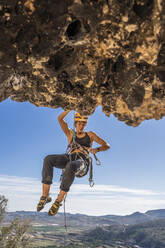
(74,163)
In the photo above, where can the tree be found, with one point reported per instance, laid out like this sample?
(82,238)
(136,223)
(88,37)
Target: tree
(15,235)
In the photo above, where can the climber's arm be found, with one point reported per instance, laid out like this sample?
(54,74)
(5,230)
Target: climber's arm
(104,145)
(63,124)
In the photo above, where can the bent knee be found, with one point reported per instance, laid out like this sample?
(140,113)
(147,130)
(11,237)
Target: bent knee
(47,180)
(64,188)
(47,159)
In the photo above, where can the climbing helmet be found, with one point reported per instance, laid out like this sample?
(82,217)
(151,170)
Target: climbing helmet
(78,117)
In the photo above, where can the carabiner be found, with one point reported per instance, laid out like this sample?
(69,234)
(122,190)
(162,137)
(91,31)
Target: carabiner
(98,162)
(91,183)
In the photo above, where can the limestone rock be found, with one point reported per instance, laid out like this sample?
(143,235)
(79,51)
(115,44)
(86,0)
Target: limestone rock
(78,54)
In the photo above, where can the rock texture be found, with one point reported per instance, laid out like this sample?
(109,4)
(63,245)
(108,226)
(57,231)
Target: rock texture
(78,54)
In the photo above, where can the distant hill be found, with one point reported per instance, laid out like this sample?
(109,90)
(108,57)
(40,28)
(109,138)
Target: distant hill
(144,235)
(86,221)
(137,217)
(155,214)
(137,230)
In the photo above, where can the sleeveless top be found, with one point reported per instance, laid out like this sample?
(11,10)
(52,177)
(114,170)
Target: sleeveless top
(84,141)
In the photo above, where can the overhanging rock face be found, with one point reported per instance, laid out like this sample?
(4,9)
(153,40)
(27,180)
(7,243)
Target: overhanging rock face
(78,54)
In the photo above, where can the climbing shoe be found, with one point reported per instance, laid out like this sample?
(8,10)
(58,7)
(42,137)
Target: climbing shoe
(54,208)
(42,202)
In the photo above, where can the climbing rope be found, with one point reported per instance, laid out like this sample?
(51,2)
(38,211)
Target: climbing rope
(65,224)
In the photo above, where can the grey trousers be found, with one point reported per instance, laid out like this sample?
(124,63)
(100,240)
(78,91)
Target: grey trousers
(60,161)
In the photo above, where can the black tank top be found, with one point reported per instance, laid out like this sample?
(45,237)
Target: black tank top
(84,141)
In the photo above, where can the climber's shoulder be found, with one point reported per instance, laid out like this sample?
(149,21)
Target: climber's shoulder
(91,135)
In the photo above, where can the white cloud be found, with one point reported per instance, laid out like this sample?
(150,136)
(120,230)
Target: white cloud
(24,193)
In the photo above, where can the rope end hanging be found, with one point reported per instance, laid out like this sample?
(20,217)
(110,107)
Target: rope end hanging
(65,224)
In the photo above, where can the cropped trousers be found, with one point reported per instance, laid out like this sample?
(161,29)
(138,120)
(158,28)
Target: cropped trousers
(61,161)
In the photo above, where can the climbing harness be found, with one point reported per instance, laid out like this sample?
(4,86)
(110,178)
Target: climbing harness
(74,145)
(83,167)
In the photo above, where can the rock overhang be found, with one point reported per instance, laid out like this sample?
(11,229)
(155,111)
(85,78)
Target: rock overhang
(79,54)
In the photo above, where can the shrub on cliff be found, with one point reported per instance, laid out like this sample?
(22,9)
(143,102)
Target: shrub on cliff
(15,234)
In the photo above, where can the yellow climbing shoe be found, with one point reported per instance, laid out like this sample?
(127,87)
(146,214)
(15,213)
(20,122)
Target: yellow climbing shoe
(54,208)
(42,202)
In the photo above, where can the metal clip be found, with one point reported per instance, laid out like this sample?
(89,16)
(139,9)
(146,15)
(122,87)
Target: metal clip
(98,162)
(91,183)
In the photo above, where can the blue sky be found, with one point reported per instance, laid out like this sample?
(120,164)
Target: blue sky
(135,162)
